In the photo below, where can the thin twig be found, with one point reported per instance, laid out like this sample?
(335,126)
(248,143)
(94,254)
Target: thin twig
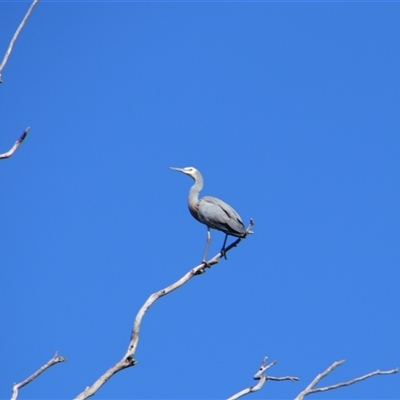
(259,375)
(55,360)
(14,38)
(13,149)
(128,358)
(311,389)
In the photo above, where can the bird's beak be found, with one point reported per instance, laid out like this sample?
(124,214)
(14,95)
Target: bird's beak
(176,169)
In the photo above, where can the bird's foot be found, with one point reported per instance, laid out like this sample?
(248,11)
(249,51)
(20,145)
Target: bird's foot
(223,253)
(206,264)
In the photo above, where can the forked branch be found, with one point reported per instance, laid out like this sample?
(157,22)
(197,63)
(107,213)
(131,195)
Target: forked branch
(13,149)
(15,37)
(128,358)
(262,378)
(312,389)
(54,360)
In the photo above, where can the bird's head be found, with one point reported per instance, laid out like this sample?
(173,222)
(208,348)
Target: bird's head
(190,171)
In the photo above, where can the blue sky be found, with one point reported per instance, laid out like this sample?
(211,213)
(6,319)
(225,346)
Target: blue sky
(290,111)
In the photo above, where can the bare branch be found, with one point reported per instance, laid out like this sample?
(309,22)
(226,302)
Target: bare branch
(10,152)
(13,149)
(250,389)
(55,360)
(128,358)
(311,389)
(262,379)
(14,38)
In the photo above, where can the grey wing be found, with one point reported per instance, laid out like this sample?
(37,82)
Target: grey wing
(218,215)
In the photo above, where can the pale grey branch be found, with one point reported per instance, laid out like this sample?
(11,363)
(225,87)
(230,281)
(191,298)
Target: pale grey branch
(128,358)
(10,152)
(262,379)
(283,378)
(54,360)
(13,149)
(14,38)
(311,387)
(250,389)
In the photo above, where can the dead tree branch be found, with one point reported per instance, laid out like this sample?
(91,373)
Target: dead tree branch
(15,37)
(13,149)
(311,387)
(10,152)
(128,358)
(259,375)
(55,360)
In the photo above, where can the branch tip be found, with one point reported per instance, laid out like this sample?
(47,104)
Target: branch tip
(14,148)
(54,360)
(15,36)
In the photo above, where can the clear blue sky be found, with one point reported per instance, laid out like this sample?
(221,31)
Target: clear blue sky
(290,111)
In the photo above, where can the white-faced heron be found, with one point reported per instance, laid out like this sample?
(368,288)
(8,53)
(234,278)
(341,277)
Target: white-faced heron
(213,212)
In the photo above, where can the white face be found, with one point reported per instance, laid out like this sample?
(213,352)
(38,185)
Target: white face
(189,170)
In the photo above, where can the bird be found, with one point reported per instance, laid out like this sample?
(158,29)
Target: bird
(212,212)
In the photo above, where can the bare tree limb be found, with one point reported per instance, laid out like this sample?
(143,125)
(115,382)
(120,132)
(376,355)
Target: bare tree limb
(13,149)
(311,389)
(259,375)
(10,152)
(55,360)
(128,358)
(14,38)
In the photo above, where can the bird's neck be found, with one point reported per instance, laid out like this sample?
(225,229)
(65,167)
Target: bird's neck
(195,190)
(194,196)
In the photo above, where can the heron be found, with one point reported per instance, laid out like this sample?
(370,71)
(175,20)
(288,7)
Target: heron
(212,212)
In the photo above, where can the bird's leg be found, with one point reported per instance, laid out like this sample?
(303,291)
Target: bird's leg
(207,244)
(223,254)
